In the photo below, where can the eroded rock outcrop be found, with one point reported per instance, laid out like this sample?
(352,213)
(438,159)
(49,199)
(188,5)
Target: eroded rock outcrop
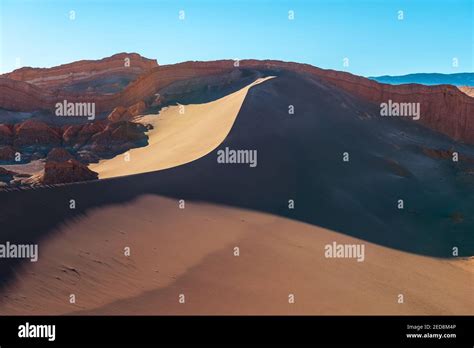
(68,150)
(7,153)
(137,108)
(39,137)
(121,113)
(78,135)
(6,134)
(71,170)
(61,167)
(59,154)
(116,138)
(121,65)
(33,132)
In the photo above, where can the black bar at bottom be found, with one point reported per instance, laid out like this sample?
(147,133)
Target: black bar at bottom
(136,330)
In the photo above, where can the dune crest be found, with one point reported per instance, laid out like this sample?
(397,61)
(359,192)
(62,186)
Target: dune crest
(180,134)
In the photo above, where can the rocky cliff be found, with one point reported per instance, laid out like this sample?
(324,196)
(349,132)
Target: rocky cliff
(444,108)
(23,96)
(129,65)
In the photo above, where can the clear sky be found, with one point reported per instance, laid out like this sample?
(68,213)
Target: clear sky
(432,33)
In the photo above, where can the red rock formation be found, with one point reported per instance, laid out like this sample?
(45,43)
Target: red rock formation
(32,132)
(444,108)
(126,131)
(137,109)
(66,172)
(61,167)
(23,96)
(59,154)
(124,114)
(117,137)
(88,142)
(7,153)
(123,64)
(118,114)
(6,134)
(78,135)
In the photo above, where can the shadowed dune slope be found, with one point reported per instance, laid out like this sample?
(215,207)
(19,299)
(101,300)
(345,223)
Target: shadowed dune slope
(190,251)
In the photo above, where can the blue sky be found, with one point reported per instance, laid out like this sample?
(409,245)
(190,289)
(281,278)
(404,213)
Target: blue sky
(40,33)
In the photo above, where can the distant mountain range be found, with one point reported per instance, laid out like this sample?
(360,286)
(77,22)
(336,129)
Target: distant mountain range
(460,79)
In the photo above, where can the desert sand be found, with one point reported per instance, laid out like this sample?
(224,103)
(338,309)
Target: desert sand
(190,251)
(180,134)
(467,90)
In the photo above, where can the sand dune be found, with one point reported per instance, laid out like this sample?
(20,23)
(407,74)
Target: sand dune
(181,134)
(190,251)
